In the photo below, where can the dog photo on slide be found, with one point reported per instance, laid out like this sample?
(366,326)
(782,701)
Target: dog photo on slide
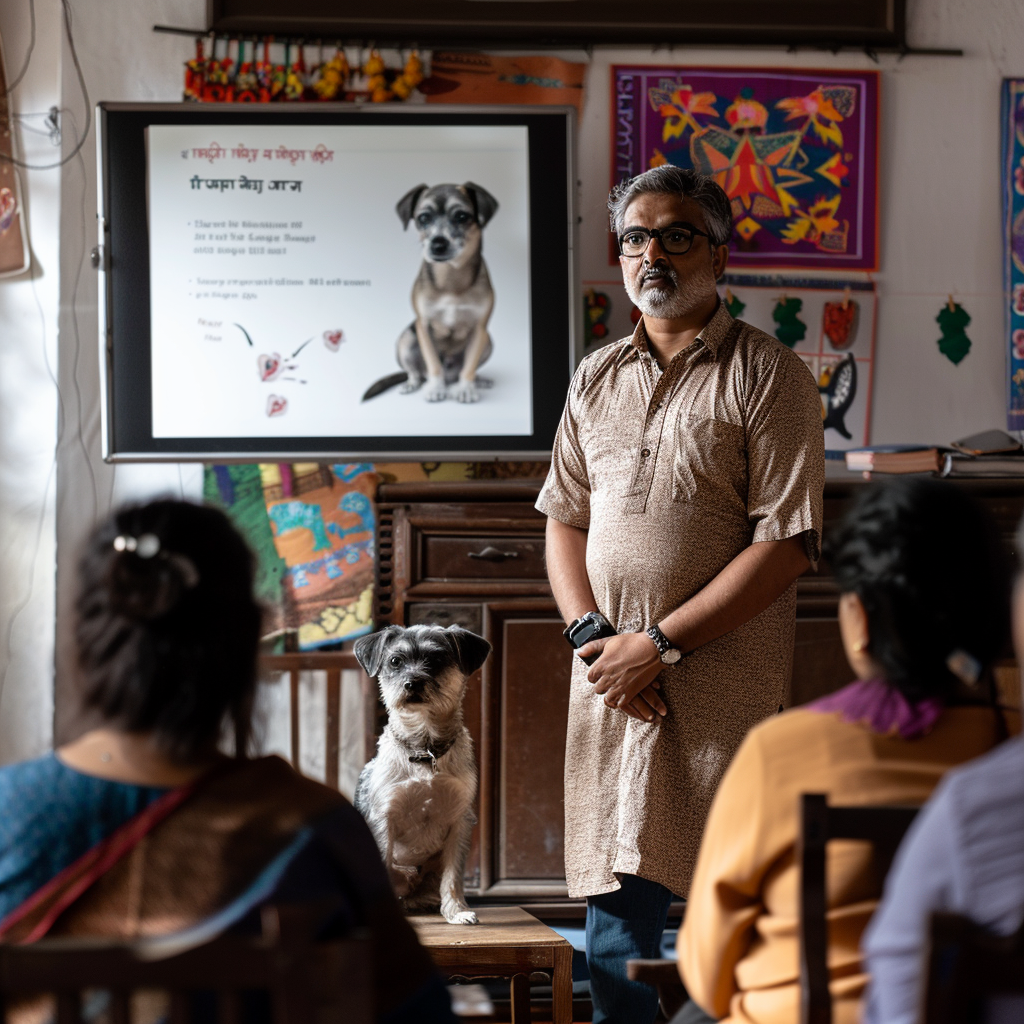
(452,296)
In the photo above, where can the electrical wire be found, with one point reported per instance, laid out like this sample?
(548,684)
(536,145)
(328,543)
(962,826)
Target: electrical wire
(68,18)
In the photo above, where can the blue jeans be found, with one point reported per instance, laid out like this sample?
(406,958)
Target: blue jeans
(624,925)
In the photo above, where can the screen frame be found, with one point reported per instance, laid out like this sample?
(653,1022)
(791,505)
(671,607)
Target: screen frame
(124,293)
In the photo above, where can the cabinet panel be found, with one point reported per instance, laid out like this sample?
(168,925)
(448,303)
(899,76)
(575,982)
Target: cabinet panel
(431,613)
(535,668)
(819,662)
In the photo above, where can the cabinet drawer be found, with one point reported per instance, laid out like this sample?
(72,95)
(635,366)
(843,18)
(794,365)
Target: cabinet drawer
(482,558)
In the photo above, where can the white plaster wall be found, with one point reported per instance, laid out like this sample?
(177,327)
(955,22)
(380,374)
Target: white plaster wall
(940,234)
(28,403)
(122,58)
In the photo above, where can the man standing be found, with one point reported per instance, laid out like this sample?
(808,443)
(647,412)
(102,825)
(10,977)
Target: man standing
(684,499)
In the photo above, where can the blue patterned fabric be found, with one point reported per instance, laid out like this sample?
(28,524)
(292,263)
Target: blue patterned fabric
(50,815)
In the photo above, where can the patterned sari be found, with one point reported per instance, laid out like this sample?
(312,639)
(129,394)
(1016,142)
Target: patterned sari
(202,858)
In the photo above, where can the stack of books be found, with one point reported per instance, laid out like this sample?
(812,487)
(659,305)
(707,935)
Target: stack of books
(895,458)
(992,453)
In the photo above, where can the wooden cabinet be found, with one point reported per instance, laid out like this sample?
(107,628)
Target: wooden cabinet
(473,554)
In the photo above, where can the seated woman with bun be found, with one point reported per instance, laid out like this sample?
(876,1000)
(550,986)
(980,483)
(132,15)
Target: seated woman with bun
(923,612)
(141,826)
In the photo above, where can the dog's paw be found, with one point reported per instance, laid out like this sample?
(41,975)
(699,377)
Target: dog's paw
(436,390)
(461,917)
(483,382)
(465,391)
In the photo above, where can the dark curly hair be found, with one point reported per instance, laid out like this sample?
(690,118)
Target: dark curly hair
(167,626)
(926,561)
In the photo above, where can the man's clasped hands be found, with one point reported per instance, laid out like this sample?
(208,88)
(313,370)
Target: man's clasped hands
(626,674)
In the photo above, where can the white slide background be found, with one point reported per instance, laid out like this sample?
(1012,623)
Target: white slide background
(340,262)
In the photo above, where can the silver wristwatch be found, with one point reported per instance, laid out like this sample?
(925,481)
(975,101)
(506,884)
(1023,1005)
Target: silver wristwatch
(669,655)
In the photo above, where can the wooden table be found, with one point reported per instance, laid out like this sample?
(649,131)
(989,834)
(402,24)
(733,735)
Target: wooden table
(507,943)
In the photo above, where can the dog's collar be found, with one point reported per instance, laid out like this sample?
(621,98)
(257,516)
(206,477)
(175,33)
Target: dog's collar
(430,754)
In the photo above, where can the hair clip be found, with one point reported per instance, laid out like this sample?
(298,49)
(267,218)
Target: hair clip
(964,666)
(148,546)
(145,546)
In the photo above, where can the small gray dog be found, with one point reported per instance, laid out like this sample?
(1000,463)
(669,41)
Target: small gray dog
(417,793)
(452,295)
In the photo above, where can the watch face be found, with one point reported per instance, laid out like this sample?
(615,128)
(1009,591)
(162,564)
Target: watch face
(671,656)
(585,633)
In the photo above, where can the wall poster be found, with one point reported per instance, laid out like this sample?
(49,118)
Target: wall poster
(1012,121)
(14,254)
(796,152)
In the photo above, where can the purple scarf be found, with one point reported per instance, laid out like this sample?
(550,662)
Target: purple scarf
(881,708)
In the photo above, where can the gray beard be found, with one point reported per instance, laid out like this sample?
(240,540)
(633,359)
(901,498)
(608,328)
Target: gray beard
(679,299)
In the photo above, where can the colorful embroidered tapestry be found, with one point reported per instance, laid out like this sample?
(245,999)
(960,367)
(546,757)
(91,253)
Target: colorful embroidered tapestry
(1013,245)
(312,528)
(796,152)
(13,238)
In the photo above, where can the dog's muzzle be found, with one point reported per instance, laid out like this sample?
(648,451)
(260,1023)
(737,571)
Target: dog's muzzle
(439,246)
(413,689)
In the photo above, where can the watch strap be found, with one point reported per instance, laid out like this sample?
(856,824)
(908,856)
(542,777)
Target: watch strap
(661,641)
(585,617)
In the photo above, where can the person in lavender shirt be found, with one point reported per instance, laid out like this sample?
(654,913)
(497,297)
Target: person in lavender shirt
(964,855)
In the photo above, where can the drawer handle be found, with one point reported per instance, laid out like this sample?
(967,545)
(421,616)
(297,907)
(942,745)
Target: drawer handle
(492,554)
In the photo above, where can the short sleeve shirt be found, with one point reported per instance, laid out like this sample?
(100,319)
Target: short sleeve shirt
(673,474)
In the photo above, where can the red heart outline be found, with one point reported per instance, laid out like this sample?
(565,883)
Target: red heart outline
(269,366)
(277,405)
(333,340)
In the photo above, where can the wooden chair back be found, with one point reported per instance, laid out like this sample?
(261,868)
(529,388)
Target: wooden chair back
(332,664)
(884,827)
(966,966)
(304,982)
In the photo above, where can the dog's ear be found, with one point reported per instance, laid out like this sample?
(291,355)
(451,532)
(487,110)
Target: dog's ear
(484,203)
(408,203)
(369,650)
(470,651)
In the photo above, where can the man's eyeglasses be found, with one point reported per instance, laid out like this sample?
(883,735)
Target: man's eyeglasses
(676,239)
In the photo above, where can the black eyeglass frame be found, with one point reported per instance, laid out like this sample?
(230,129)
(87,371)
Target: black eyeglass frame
(658,233)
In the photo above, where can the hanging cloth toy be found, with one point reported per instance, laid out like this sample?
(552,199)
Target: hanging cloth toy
(733,305)
(952,319)
(839,322)
(786,314)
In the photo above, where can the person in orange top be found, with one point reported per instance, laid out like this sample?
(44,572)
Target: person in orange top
(923,612)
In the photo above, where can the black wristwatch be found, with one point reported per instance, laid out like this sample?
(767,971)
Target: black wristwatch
(669,655)
(591,626)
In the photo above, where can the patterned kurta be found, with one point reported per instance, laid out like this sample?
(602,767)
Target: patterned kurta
(673,474)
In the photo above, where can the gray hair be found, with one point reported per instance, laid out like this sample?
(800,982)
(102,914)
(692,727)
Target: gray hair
(676,181)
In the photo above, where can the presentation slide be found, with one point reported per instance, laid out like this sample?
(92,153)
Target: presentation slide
(283,277)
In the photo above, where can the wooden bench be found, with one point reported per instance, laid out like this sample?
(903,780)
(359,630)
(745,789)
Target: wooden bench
(507,943)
